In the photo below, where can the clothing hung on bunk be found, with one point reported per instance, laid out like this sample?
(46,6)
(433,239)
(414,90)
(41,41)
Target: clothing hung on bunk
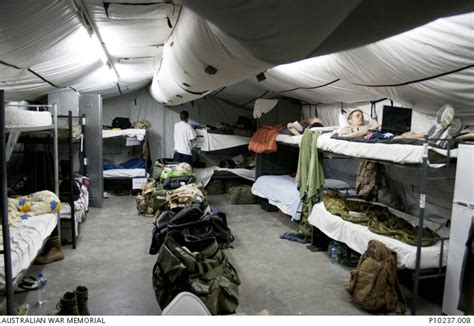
(368,179)
(309,180)
(264,139)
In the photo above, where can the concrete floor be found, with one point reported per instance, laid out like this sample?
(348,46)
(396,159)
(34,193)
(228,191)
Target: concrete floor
(282,277)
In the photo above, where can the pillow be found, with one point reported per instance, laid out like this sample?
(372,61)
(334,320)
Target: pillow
(342,120)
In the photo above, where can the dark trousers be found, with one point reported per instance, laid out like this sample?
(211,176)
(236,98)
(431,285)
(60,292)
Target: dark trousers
(182,158)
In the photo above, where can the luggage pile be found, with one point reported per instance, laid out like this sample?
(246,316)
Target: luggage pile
(188,237)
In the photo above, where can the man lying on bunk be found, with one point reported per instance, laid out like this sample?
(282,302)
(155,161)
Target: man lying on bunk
(357,127)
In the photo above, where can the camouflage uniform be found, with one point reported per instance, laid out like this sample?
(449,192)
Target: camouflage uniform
(379,219)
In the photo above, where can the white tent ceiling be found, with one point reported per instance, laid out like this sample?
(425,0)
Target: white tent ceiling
(46,44)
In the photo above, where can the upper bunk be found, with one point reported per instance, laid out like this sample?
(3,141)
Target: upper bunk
(408,152)
(209,140)
(139,134)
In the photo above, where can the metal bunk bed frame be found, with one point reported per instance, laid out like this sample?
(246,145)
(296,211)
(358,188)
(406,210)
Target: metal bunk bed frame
(6,148)
(421,214)
(83,159)
(143,143)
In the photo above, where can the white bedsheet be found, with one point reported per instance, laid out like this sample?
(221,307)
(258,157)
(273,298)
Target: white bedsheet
(296,140)
(16,118)
(124,173)
(208,142)
(281,191)
(27,238)
(138,133)
(205,175)
(396,153)
(357,237)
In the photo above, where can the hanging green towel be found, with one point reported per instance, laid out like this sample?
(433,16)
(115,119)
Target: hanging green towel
(309,179)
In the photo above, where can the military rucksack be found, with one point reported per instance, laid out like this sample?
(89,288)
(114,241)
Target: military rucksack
(374,284)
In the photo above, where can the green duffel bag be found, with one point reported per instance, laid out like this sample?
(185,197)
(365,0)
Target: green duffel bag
(241,195)
(198,266)
(215,187)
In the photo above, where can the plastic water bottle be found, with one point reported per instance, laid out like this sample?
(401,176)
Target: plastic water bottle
(41,288)
(334,253)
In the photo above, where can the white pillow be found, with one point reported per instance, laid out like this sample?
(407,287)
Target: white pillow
(342,120)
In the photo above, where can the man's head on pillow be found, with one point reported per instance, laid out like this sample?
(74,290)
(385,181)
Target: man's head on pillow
(356,118)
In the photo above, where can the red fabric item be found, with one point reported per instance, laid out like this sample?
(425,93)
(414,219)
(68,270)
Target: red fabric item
(264,139)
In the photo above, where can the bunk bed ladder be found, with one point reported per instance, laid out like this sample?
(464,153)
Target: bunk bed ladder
(5,227)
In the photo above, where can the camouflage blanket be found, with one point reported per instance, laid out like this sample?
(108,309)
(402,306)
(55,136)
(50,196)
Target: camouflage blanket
(379,219)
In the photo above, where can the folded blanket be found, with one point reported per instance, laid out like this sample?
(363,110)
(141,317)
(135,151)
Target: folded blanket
(38,203)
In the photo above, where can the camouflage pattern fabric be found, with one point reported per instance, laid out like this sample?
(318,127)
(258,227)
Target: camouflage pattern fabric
(141,124)
(368,179)
(151,199)
(197,266)
(380,220)
(184,195)
(241,195)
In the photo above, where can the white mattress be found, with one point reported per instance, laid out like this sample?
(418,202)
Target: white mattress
(124,173)
(205,175)
(396,153)
(296,140)
(27,238)
(138,133)
(16,118)
(357,237)
(281,191)
(208,142)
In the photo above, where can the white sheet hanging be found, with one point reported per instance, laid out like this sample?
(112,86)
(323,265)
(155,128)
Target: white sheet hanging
(263,106)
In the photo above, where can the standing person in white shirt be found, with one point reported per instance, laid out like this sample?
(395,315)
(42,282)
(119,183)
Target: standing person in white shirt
(183,135)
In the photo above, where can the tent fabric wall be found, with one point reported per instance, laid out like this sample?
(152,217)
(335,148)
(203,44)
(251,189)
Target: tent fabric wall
(350,76)
(439,47)
(141,105)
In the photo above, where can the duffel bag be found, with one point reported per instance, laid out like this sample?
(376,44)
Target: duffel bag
(197,266)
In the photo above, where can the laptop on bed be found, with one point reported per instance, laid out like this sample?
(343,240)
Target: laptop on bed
(396,120)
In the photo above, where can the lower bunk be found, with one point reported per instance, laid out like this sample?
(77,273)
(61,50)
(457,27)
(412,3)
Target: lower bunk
(27,238)
(357,236)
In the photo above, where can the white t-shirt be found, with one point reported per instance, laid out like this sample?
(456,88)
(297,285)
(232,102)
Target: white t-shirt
(183,134)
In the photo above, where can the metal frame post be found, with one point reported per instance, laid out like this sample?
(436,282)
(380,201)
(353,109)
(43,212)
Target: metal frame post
(5,227)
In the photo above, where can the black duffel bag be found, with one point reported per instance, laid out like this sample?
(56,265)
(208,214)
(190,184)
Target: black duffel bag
(122,123)
(176,182)
(195,223)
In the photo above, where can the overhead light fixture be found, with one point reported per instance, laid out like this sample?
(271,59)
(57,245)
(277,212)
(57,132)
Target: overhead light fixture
(261,77)
(210,70)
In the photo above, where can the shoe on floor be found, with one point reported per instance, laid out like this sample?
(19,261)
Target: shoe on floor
(443,118)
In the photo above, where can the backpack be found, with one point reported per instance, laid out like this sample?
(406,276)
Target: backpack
(374,283)
(122,123)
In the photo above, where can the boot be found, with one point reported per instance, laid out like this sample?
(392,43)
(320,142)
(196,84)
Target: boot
(82,296)
(54,252)
(68,305)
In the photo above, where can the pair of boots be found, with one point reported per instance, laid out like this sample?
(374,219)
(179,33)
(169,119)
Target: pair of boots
(74,303)
(53,251)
